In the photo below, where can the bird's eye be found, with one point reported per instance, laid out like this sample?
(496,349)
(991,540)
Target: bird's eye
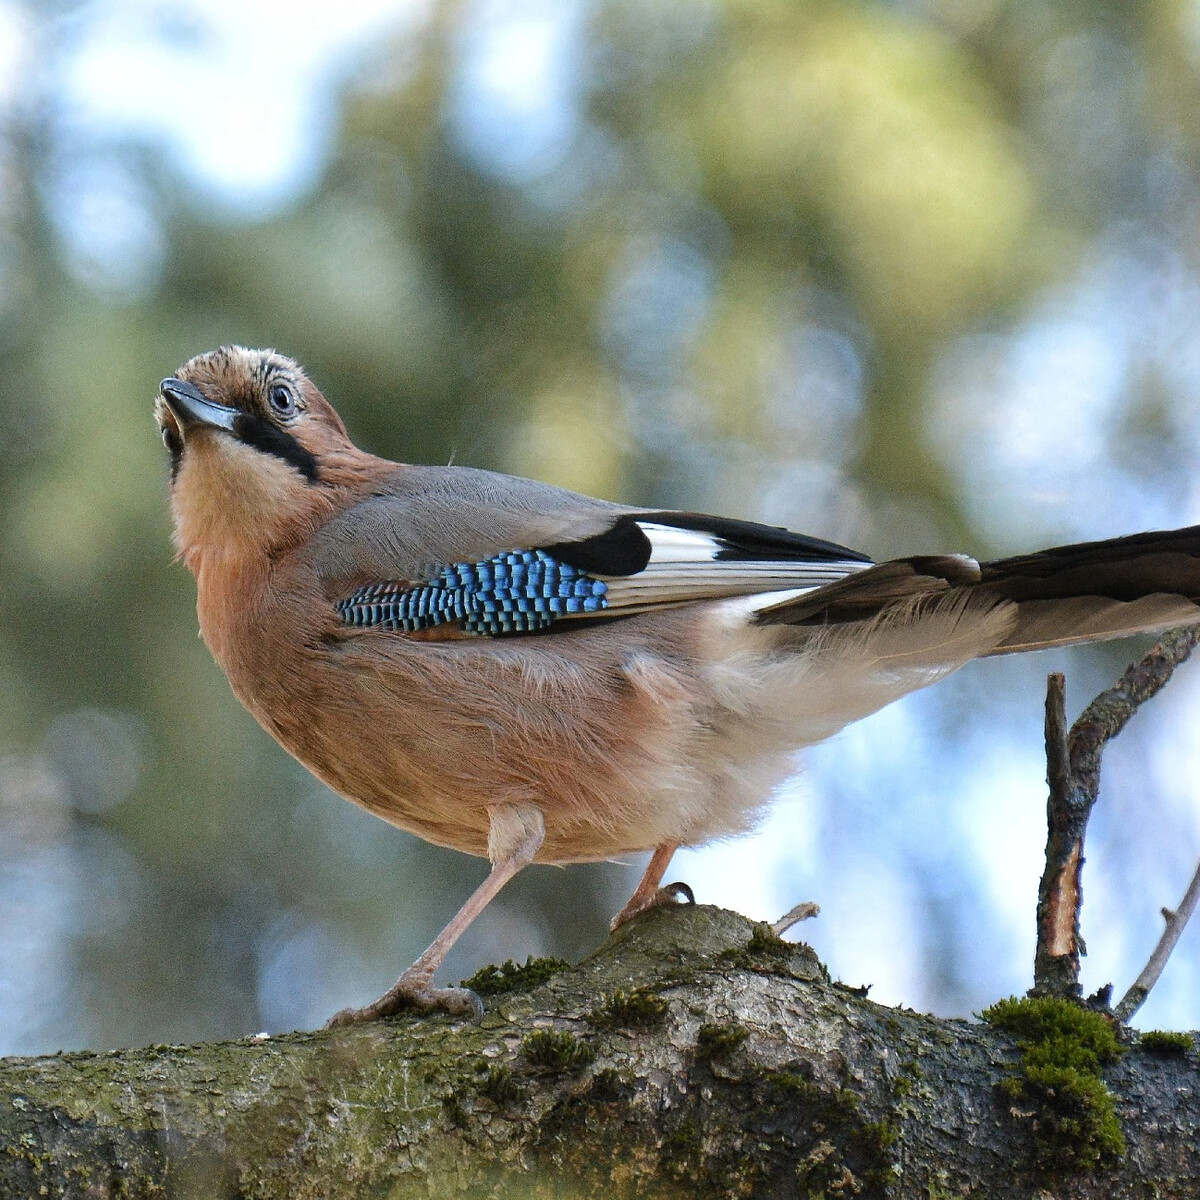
(282,400)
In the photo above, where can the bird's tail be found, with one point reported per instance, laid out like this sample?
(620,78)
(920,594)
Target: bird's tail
(1068,594)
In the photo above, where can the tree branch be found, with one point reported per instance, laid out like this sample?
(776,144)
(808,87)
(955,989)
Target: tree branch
(694,1055)
(1073,774)
(1140,988)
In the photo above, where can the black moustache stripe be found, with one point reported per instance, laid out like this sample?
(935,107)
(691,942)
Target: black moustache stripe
(270,439)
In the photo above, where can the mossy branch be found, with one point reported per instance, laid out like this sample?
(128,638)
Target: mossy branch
(693,1055)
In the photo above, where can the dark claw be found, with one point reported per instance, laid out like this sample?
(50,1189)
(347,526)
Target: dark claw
(679,888)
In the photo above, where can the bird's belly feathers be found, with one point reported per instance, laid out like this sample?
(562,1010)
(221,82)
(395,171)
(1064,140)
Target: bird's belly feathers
(620,745)
(617,750)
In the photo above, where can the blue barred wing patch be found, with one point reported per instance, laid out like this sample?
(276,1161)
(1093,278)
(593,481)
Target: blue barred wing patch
(523,591)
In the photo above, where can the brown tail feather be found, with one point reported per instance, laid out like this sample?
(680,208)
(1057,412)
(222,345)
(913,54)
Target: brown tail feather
(1087,592)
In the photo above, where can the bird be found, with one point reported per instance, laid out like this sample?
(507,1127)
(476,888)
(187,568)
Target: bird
(521,672)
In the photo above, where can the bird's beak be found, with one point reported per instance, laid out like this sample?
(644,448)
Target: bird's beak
(191,408)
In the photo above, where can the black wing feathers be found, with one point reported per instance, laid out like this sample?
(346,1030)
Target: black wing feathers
(750,542)
(622,549)
(625,549)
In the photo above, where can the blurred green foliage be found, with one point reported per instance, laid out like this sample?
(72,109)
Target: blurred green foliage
(729,285)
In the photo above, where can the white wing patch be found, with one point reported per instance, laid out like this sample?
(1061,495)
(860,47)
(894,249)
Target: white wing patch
(671,544)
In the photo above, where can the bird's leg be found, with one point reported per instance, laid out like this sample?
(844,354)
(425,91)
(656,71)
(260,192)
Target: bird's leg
(648,893)
(514,837)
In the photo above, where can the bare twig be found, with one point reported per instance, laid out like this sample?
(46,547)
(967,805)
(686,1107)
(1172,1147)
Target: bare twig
(1140,989)
(1073,772)
(802,912)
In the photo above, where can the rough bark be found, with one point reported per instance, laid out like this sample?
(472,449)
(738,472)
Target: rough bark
(738,1069)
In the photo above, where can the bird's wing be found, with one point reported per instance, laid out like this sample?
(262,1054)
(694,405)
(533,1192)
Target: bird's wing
(490,554)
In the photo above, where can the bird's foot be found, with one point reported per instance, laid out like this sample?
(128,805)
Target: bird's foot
(409,995)
(640,901)
(802,912)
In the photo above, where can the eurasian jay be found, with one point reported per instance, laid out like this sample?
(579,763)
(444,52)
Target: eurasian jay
(521,672)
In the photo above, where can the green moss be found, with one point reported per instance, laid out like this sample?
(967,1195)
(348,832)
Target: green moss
(1159,1041)
(509,977)
(639,1009)
(833,1108)
(456,1114)
(609,1086)
(555,1050)
(719,1041)
(502,1087)
(765,951)
(1063,1048)
(764,940)
(905,1083)
(875,1137)
(873,1143)
(682,1151)
(1056,1031)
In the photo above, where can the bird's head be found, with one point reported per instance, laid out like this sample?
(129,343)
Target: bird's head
(258,455)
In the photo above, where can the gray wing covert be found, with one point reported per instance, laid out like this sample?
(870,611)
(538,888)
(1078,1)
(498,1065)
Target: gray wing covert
(493,554)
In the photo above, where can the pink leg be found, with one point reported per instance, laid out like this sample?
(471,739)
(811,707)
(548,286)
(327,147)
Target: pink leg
(414,989)
(648,893)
